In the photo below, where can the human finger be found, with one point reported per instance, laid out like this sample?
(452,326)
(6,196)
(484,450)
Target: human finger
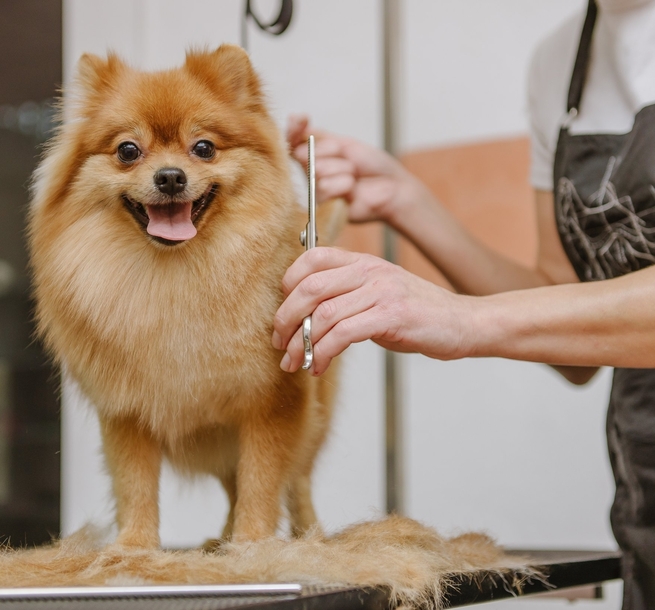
(316,259)
(313,293)
(355,329)
(332,187)
(327,147)
(334,178)
(376,283)
(330,166)
(297,125)
(329,313)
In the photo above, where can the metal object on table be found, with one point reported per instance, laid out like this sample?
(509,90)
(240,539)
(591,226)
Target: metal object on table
(574,594)
(163,591)
(309,239)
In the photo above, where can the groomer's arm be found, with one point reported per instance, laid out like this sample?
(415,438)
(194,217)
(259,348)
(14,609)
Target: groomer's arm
(475,269)
(354,297)
(378,187)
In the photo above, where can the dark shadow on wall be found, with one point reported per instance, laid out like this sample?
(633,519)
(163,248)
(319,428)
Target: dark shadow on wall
(30,52)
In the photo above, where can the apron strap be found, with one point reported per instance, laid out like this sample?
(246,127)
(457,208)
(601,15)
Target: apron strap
(582,59)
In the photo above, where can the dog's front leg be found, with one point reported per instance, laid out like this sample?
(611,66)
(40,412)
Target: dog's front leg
(266,447)
(134,463)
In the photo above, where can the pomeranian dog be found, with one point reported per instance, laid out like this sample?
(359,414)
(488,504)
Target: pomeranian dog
(163,219)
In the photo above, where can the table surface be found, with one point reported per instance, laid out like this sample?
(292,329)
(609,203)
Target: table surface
(563,569)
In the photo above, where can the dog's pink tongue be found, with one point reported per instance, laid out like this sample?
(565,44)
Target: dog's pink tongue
(171,222)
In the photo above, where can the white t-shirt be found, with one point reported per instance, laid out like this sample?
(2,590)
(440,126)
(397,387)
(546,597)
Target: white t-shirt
(620,79)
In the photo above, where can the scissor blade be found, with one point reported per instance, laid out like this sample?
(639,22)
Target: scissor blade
(310,242)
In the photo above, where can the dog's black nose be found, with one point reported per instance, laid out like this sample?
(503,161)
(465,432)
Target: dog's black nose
(170,180)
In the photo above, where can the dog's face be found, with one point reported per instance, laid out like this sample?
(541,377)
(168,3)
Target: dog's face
(165,153)
(167,184)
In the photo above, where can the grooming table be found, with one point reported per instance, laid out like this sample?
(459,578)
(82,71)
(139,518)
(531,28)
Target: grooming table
(564,569)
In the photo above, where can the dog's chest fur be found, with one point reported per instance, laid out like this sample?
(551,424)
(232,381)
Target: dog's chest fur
(179,339)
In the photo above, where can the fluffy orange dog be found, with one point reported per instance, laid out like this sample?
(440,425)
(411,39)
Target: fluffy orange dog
(162,222)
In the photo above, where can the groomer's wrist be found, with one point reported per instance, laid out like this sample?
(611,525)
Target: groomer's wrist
(516,325)
(492,326)
(409,206)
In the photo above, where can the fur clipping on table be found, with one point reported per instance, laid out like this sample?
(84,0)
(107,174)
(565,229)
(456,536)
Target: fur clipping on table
(412,560)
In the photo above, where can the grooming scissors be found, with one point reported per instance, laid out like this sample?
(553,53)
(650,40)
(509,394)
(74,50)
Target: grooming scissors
(308,238)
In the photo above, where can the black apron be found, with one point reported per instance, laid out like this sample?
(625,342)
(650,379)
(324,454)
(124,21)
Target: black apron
(605,211)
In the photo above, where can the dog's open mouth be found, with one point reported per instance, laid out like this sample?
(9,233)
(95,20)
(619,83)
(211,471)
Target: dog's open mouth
(171,223)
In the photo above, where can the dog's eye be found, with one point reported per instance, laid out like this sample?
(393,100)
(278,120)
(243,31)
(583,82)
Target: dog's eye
(204,149)
(128,152)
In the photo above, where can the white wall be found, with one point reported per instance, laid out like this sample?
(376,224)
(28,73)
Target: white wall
(466,63)
(502,446)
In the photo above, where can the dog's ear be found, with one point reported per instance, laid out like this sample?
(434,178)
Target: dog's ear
(97,74)
(94,77)
(229,73)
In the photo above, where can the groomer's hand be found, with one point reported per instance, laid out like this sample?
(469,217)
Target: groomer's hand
(374,183)
(353,297)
